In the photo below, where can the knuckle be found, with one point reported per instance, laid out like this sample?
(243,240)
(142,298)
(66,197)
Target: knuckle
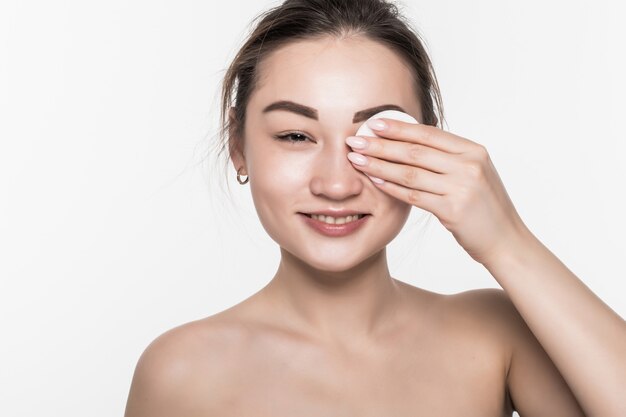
(481,153)
(413,196)
(427,134)
(408,176)
(474,170)
(414,153)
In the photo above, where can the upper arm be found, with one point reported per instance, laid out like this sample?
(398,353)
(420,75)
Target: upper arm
(535,385)
(167,379)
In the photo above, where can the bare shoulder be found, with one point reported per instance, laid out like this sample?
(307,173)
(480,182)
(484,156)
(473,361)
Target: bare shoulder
(490,314)
(476,321)
(489,308)
(183,371)
(483,317)
(483,300)
(484,310)
(491,304)
(534,384)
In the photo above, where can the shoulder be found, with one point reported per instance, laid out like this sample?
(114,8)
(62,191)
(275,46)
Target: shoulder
(489,308)
(475,322)
(484,309)
(487,318)
(490,313)
(482,300)
(534,383)
(181,363)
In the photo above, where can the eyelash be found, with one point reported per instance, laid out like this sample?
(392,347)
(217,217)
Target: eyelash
(284,137)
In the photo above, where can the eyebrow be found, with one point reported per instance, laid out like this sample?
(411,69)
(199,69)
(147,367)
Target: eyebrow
(312,113)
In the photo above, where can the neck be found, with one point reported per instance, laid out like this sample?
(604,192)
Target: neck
(343,306)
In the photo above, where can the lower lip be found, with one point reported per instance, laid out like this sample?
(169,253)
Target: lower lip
(335,230)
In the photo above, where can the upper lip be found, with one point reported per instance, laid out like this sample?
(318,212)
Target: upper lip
(336,213)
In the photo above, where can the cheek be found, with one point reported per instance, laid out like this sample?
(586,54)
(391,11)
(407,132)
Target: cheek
(277,171)
(399,213)
(278,180)
(400,208)
(279,185)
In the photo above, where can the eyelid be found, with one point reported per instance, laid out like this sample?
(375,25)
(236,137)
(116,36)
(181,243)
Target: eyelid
(284,137)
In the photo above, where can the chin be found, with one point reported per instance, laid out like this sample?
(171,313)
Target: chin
(334,262)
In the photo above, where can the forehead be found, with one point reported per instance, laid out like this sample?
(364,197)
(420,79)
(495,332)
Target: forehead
(335,73)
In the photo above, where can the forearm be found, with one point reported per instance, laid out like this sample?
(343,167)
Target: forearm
(585,339)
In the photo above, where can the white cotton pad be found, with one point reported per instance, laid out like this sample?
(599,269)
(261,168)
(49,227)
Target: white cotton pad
(364,130)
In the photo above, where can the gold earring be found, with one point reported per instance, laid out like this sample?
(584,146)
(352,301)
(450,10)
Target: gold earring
(239,177)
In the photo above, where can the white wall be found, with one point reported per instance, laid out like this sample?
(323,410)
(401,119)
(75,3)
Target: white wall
(112,231)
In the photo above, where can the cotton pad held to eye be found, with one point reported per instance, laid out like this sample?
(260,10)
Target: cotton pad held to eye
(364,130)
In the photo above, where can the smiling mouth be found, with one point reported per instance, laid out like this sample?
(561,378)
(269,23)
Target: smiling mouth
(336,220)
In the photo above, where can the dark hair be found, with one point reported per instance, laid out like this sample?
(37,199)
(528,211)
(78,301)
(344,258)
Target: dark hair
(296,20)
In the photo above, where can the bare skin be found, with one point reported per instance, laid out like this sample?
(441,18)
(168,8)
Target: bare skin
(441,355)
(333,334)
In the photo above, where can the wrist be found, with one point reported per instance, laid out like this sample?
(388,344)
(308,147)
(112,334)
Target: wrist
(514,250)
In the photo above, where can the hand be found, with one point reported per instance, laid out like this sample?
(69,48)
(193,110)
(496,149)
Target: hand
(449,176)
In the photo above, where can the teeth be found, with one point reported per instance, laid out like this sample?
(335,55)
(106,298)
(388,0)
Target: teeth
(336,220)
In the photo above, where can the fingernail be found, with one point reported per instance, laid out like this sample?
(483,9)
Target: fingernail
(377,124)
(357,158)
(376,179)
(356,142)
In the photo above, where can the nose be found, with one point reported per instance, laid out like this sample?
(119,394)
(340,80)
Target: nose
(333,176)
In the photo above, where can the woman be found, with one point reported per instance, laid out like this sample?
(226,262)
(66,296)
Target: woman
(333,333)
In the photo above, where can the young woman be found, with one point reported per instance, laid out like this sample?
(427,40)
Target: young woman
(333,334)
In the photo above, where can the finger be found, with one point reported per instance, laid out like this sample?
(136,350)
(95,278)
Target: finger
(405,175)
(418,198)
(407,153)
(424,134)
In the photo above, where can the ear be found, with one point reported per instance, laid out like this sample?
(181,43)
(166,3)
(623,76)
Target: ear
(235,142)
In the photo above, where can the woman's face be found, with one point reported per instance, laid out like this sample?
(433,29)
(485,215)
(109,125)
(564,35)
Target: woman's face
(337,78)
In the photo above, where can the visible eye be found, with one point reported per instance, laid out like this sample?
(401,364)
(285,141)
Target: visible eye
(292,137)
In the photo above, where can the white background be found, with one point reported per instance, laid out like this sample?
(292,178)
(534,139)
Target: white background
(112,226)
